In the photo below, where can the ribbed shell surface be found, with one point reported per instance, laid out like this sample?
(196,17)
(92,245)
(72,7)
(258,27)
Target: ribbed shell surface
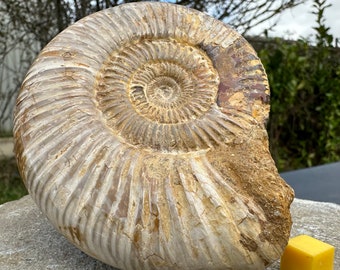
(140,134)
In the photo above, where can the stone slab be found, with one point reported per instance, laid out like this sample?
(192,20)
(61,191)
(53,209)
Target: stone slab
(28,241)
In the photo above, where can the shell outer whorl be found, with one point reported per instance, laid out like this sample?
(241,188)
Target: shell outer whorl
(139,132)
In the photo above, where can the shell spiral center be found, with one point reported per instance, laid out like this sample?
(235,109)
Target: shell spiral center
(156,82)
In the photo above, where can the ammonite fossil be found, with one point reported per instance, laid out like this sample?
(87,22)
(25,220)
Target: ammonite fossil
(139,132)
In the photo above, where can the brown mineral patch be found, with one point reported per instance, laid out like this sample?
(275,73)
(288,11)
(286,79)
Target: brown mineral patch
(75,233)
(68,55)
(136,237)
(248,243)
(156,224)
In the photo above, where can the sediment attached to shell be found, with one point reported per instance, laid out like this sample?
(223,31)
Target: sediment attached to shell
(140,134)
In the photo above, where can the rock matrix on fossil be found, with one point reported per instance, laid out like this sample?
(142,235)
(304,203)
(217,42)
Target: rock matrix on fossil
(139,132)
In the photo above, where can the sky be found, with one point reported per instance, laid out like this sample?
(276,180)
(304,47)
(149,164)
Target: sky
(299,21)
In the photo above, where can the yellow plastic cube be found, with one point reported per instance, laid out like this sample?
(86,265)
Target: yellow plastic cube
(307,253)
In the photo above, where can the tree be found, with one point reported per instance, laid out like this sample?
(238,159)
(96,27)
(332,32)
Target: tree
(241,14)
(25,28)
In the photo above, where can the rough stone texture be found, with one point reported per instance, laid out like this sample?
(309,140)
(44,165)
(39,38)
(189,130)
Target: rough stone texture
(28,241)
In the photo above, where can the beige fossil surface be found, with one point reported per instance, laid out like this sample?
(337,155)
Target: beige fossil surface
(140,134)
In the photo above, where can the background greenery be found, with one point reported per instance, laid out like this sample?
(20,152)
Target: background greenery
(304,124)
(11,186)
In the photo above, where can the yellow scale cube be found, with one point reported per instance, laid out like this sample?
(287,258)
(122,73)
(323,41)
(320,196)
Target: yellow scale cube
(307,253)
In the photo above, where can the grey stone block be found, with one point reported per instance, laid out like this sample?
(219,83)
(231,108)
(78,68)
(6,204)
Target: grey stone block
(28,241)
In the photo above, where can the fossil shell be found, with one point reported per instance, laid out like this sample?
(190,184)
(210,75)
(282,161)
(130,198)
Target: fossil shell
(139,132)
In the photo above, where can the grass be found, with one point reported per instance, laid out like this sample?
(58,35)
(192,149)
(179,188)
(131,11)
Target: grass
(6,134)
(11,185)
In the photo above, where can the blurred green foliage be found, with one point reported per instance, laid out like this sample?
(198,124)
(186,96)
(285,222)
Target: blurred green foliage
(11,186)
(304,125)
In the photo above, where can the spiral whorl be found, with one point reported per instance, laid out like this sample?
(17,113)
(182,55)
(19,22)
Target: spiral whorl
(154,89)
